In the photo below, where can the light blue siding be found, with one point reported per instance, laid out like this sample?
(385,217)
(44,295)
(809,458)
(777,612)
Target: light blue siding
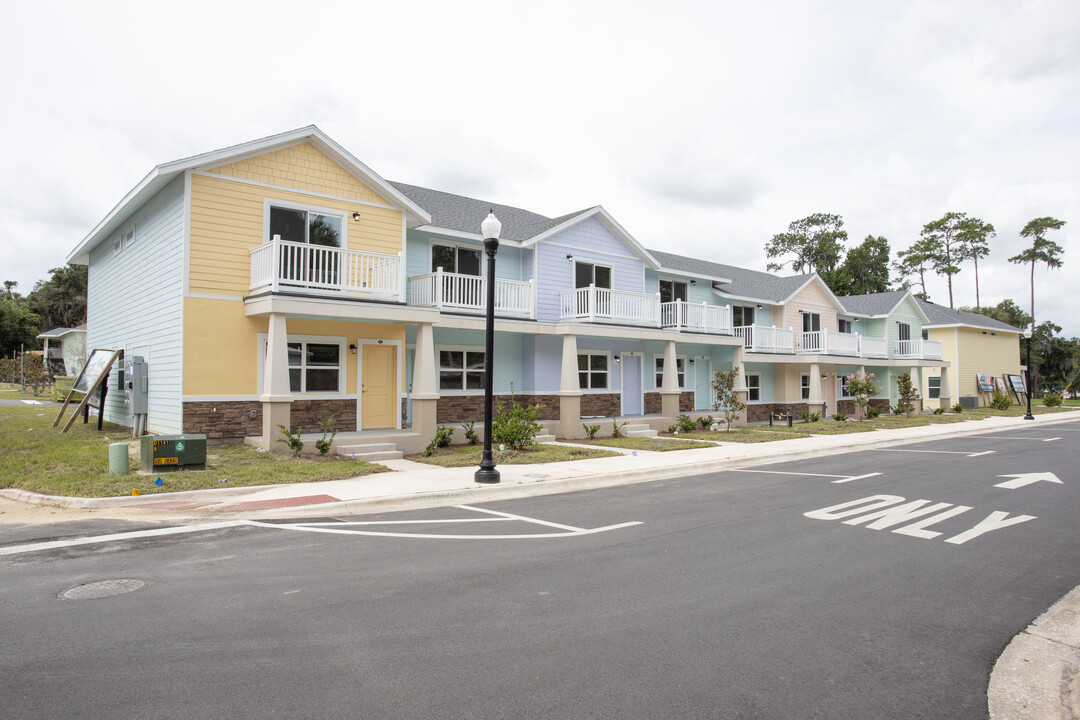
(135,302)
(588,241)
(508,261)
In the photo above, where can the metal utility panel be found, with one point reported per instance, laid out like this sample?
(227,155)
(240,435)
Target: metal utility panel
(136,386)
(164,453)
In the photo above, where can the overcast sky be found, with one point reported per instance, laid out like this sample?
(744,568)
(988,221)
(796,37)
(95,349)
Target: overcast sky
(703,127)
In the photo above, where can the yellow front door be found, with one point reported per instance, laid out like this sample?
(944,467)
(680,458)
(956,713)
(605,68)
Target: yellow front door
(378,392)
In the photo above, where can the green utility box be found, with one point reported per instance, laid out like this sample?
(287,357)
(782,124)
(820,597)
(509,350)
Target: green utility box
(163,453)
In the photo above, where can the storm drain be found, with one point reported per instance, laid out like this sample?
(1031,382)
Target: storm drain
(101,589)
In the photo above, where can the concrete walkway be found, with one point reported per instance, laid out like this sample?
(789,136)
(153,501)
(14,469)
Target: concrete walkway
(1036,677)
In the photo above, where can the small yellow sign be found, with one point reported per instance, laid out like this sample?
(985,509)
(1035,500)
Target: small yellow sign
(167,461)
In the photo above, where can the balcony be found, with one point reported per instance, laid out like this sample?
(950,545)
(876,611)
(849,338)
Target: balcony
(468,293)
(684,316)
(595,304)
(315,269)
(918,349)
(871,347)
(758,338)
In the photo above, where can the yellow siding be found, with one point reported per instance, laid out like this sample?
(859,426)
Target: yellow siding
(811,299)
(303,167)
(995,354)
(227,221)
(221,345)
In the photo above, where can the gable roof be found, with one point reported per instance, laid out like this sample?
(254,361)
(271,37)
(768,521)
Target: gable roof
(735,281)
(873,305)
(946,317)
(60,332)
(463,215)
(162,175)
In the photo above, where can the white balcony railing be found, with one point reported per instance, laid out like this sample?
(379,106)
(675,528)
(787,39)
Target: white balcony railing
(454,291)
(300,267)
(681,315)
(873,347)
(594,304)
(830,342)
(758,338)
(919,349)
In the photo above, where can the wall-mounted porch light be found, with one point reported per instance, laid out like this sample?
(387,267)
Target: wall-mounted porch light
(352,349)
(356,217)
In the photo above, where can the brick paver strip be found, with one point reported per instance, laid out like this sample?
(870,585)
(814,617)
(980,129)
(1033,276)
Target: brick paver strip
(279,503)
(174,505)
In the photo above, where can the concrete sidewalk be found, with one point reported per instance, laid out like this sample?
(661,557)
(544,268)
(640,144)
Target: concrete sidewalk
(1035,678)
(415,484)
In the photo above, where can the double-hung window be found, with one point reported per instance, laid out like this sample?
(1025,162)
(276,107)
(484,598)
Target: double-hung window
(672,291)
(593,371)
(753,387)
(845,391)
(461,369)
(315,367)
(933,387)
(804,386)
(680,371)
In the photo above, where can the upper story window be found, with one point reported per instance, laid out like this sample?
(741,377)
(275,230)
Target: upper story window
(903,331)
(672,290)
(926,334)
(811,322)
(742,315)
(455,259)
(843,325)
(680,370)
(586,274)
(298,225)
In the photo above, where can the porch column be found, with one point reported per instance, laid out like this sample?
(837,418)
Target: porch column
(815,404)
(425,393)
(276,397)
(669,386)
(570,391)
(738,359)
(945,401)
(916,381)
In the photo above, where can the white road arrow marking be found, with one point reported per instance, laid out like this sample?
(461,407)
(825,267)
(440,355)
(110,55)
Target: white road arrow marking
(1023,479)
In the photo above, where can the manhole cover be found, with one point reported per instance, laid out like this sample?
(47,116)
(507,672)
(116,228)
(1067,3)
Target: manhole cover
(101,589)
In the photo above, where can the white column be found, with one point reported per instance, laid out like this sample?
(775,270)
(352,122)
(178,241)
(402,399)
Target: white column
(570,391)
(738,359)
(670,382)
(916,382)
(945,400)
(425,393)
(569,379)
(276,395)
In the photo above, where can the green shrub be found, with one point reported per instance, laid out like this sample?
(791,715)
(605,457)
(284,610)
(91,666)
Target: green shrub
(673,429)
(686,423)
(958,408)
(999,400)
(705,422)
(293,441)
(617,427)
(839,416)
(443,435)
(591,430)
(323,444)
(872,411)
(516,426)
(808,417)
(1051,399)
(470,434)
(939,411)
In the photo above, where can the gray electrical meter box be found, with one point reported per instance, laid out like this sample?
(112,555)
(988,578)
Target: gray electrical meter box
(136,386)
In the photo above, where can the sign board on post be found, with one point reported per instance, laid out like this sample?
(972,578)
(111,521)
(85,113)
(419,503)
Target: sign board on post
(986,382)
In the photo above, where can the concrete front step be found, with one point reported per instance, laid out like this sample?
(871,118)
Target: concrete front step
(371,452)
(544,438)
(638,430)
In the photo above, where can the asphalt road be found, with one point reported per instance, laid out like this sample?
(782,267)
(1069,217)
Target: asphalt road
(782,591)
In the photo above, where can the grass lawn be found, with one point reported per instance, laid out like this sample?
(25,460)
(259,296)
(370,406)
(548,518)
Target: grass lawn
(465,455)
(652,444)
(39,458)
(13,391)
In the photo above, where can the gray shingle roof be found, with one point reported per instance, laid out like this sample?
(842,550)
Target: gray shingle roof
(742,282)
(872,303)
(464,214)
(947,316)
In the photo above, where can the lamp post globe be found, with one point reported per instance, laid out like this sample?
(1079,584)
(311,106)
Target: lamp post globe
(490,229)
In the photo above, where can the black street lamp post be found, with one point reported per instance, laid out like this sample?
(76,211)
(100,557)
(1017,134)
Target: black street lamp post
(490,229)
(1027,371)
